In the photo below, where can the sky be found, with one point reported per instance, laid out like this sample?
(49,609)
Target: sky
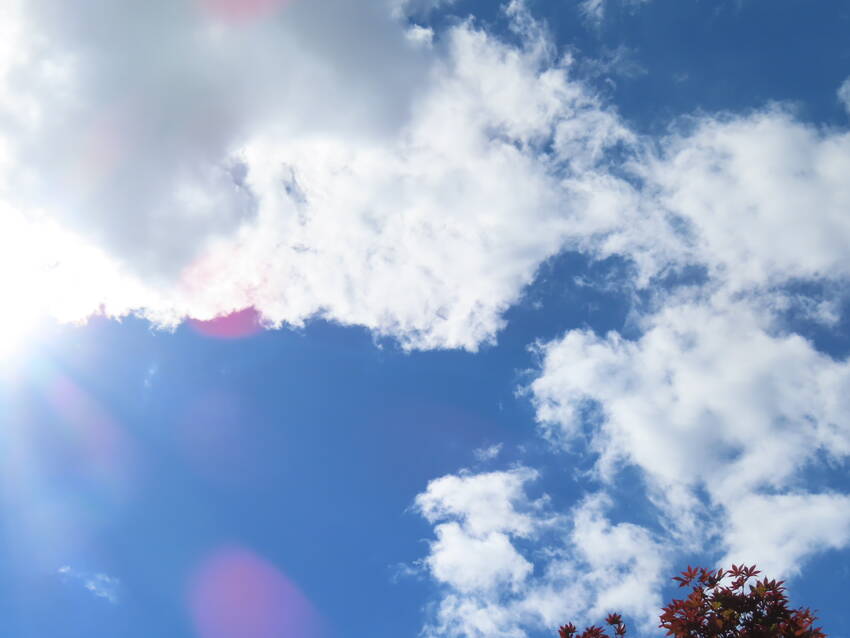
(426,318)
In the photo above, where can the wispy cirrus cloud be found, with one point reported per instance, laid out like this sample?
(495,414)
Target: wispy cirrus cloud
(488,453)
(844,94)
(99,584)
(594,10)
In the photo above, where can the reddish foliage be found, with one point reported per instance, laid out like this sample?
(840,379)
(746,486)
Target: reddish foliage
(720,606)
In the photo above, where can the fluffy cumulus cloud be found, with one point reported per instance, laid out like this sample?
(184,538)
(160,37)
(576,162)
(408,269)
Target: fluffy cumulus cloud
(782,528)
(721,409)
(309,159)
(478,514)
(762,199)
(495,583)
(724,409)
(714,399)
(718,396)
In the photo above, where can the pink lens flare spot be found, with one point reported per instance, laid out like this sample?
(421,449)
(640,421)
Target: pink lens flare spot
(237,594)
(104,449)
(236,325)
(241,10)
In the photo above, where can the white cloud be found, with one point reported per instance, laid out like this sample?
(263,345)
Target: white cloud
(150,375)
(471,562)
(718,403)
(844,94)
(148,104)
(216,169)
(100,585)
(485,503)
(502,578)
(326,159)
(594,10)
(763,197)
(487,453)
(625,564)
(779,529)
(711,397)
(716,394)
(103,586)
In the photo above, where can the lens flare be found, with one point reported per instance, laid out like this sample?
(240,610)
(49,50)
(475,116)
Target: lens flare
(21,274)
(93,436)
(67,464)
(241,10)
(237,594)
(236,325)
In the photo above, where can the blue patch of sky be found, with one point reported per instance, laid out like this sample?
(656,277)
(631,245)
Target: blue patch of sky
(825,591)
(827,326)
(707,57)
(669,58)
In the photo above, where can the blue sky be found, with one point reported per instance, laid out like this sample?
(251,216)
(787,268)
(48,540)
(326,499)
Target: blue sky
(418,317)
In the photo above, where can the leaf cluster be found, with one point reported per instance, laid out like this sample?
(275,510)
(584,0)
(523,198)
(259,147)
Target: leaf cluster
(722,604)
(614,620)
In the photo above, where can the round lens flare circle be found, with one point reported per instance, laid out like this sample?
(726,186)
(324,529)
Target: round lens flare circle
(238,594)
(237,325)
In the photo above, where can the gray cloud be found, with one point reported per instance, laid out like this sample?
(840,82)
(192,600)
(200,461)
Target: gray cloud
(128,117)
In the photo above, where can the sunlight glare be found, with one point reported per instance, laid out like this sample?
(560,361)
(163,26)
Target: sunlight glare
(22,315)
(49,275)
(17,328)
